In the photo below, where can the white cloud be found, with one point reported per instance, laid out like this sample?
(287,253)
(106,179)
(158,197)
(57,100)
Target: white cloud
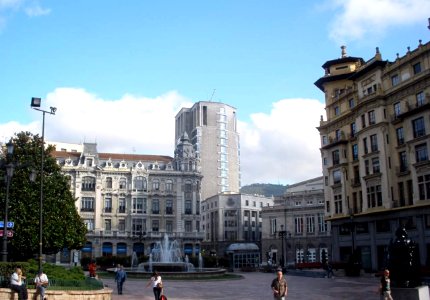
(282,146)
(359,19)
(36,10)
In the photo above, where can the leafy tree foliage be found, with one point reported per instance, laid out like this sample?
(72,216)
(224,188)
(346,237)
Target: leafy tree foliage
(265,189)
(62,225)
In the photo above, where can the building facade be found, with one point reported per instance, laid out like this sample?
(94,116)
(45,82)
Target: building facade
(374,149)
(129,202)
(230,218)
(294,228)
(212,128)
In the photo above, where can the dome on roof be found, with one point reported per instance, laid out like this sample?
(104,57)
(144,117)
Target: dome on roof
(242,247)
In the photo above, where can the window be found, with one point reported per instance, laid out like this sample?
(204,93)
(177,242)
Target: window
(424,187)
(169,207)
(336,176)
(363,121)
(421,153)
(140,183)
(324,140)
(108,182)
(87,204)
(351,103)
(89,223)
(420,98)
(205,115)
(337,111)
(397,109)
(338,135)
(188,226)
(137,205)
(188,207)
(108,204)
(88,184)
(122,183)
(375,165)
(366,167)
(322,224)
(335,157)
(403,161)
(417,68)
(418,127)
(374,196)
(121,225)
(272,226)
(155,206)
(121,205)
(325,161)
(371,115)
(169,226)
(395,80)
(298,224)
(338,204)
(355,152)
(365,146)
(155,225)
(353,129)
(155,185)
(400,136)
(138,226)
(374,143)
(108,224)
(310,224)
(169,185)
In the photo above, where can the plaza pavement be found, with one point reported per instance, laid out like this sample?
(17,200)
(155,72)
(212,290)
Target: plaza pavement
(256,286)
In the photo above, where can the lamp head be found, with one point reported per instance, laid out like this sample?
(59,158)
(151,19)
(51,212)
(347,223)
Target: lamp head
(53,110)
(35,102)
(10,147)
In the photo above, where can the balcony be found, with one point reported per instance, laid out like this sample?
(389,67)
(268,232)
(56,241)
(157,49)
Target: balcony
(402,170)
(355,182)
(107,210)
(121,210)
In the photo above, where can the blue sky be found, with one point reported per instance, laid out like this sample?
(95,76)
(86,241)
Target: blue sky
(118,72)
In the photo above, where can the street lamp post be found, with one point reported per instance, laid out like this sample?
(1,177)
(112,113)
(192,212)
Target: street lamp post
(282,235)
(9,173)
(35,104)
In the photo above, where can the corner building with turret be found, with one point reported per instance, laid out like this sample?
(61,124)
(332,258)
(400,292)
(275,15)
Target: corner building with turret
(375,153)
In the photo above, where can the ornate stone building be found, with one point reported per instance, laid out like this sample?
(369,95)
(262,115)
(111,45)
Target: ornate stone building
(129,201)
(294,228)
(374,149)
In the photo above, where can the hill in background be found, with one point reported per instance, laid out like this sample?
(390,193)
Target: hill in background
(265,189)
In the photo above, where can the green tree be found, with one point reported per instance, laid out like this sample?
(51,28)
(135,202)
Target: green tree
(62,225)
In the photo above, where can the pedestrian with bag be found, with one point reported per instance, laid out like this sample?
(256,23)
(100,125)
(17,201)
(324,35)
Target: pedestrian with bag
(157,285)
(279,286)
(120,278)
(41,282)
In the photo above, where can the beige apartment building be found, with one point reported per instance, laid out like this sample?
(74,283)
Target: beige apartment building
(294,228)
(130,201)
(212,128)
(374,150)
(232,218)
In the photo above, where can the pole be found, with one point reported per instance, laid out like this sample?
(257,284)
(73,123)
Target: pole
(41,194)
(6,211)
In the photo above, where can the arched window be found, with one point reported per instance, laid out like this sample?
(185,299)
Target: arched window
(107,249)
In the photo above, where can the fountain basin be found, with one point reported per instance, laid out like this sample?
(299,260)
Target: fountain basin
(169,273)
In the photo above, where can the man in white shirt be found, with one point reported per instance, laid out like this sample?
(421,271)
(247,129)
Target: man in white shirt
(41,282)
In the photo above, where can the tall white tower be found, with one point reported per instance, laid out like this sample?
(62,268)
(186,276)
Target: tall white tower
(212,129)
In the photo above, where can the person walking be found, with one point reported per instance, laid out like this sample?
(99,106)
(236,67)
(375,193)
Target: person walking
(279,286)
(385,286)
(157,285)
(17,284)
(41,282)
(120,277)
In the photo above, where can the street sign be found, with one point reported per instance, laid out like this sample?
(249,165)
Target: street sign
(9,224)
(9,233)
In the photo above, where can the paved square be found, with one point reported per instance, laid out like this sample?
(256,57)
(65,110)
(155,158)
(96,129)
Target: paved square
(254,286)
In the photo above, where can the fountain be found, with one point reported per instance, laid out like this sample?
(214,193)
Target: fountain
(166,258)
